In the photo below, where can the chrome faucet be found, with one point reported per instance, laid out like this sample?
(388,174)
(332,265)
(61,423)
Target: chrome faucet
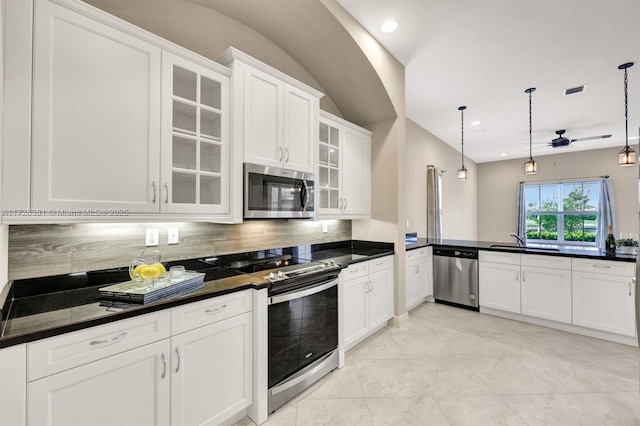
(521,241)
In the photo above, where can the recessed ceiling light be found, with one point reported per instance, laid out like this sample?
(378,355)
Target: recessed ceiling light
(504,154)
(475,123)
(389,26)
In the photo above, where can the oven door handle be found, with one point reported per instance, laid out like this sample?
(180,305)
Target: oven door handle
(299,294)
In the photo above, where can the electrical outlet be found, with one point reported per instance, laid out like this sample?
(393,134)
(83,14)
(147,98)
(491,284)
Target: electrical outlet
(152,237)
(173,236)
(325,227)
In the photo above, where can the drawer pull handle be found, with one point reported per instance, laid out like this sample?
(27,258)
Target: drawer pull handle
(353,271)
(380,264)
(178,353)
(113,339)
(164,365)
(210,311)
(602,266)
(307,356)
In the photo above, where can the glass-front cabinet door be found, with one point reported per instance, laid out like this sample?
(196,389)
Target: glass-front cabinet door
(195,144)
(329,150)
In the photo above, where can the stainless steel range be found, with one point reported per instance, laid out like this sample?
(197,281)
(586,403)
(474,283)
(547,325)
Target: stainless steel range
(303,323)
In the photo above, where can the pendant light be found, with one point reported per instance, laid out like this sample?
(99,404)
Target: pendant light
(463,173)
(626,157)
(530,167)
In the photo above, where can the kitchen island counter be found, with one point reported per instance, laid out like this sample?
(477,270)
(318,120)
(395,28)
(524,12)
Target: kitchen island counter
(564,251)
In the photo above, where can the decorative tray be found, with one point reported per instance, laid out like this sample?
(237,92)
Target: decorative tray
(154,289)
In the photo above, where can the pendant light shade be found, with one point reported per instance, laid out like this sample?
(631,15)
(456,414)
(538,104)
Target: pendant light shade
(626,157)
(463,173)
(530,167)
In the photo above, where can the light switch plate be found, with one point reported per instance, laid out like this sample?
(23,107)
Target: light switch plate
(173,236)
(152,237)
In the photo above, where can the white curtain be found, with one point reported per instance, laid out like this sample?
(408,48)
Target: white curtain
(607,212)
(521,227)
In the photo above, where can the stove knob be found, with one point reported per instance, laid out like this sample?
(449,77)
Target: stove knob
(280,274)
(272,276)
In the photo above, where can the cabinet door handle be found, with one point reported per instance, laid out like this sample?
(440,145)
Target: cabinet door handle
(164,365)
(166,196)
(517,275)
(345,204)
(417,269)
(371,285)
(281,154)
(155,192)
(113,339)
(210,311)
(630,286)
(179,359)
(523,276)
(287,151)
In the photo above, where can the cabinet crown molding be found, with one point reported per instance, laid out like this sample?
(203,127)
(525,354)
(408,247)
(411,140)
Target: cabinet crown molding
(233,54)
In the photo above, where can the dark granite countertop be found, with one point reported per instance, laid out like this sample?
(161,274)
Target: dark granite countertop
(43,307)
(564,251)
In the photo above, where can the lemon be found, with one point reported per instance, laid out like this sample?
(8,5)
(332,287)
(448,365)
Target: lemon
(148,271)
(160,268)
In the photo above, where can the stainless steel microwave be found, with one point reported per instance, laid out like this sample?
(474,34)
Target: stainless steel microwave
(271,192)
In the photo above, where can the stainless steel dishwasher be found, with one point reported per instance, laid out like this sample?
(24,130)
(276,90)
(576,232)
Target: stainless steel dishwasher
(455,277)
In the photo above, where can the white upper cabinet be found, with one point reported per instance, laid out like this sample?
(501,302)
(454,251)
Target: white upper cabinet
(344,169)
(96,114)
(124,124)
(195,138)
(275,116)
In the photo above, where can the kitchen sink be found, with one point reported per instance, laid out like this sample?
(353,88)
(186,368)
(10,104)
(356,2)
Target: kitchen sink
(514,247)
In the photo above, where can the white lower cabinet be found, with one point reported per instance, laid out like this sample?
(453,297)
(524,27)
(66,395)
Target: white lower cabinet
(367,293)
(418,276)
(128,388)
(546,287)
(211,372)
(499,281)
(604,299)
(13,382)
(201,374)
(595,294)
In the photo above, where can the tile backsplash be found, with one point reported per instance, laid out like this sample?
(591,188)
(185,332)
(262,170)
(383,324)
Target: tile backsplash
(41,250)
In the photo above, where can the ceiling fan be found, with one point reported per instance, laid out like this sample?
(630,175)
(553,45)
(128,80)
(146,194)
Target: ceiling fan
(562,142)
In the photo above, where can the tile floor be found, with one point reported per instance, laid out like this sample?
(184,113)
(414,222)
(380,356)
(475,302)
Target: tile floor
(450,366)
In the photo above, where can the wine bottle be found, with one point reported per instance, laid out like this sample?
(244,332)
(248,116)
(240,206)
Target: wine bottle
(610,243)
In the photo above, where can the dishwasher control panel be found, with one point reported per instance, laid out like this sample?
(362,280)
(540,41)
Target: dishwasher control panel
(452,252)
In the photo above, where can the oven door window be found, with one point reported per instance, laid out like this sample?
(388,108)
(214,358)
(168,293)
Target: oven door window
(301,331)
(274,193)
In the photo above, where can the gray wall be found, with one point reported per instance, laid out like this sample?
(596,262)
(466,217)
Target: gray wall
(498,181)
(459,198)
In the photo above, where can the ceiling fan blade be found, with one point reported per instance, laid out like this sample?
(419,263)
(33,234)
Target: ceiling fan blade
(590,138)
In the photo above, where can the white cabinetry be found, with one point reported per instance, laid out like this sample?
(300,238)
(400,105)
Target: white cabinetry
(13,377)
(109,364)
(275,116)
(123,123)
(96,114)
(546,287)
(419,276)
(344,169)
(196,166)
(188,365)
(367,294)
(499,280)
(211,373)
(604,295)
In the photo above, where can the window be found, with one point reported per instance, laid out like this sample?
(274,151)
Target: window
(563,212)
